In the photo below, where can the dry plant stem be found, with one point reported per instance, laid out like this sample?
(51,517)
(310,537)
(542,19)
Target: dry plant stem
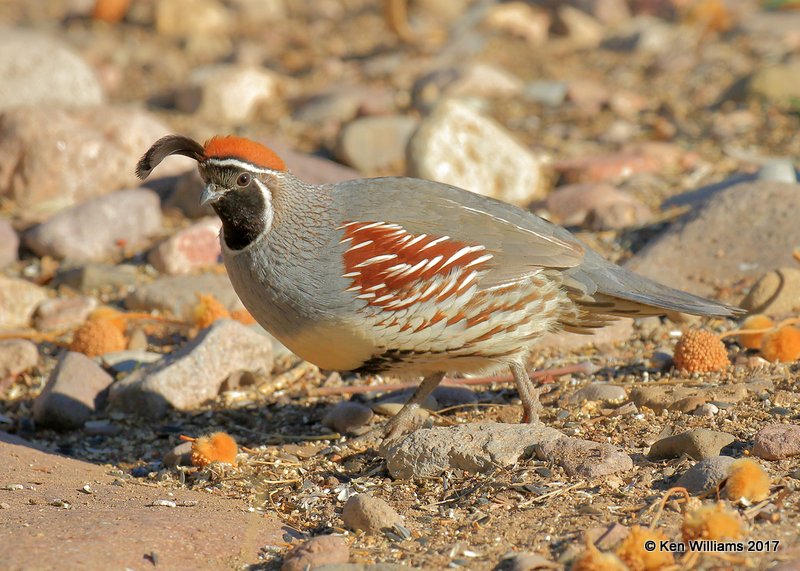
(585,367)
(784,323)
(663,502)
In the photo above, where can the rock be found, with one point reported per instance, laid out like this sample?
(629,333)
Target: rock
(612,167)
(775,293)
(99,227)
(63,313)
(374,144)
(9,243)
(39,70)
(93,277)
(128,360)
(17,356)
(400,398)
(186,196)
(698,443)
(527,562)
(599,392)
(582,30)
(178,295)
(96,152)
(706,474)
(778,83)
(600,205)
(457,146)
(193,374)
(453,396)
(777,441)
(229,93)
(763,238)
(181,455)
(470,80)
(778,170)
(584,458)
(707,410)
(362,567)
(340,104)
(73,392)
(547,92)
(364,512)
(617,332)
(192,18)
(686,399)
(520,20)
(316,552)
(347,417)
(474,448)
(18,300)
(189,249)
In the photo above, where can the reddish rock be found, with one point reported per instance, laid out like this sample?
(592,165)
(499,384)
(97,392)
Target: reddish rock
(601,205)
(18,300)
(63,313)
(99,227)
(317,551)
(777,441)
(72,392)
(189,249)
(9,243)
(17,356)
(611,167)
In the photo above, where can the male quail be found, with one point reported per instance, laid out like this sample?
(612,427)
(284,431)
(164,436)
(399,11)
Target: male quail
(406,276)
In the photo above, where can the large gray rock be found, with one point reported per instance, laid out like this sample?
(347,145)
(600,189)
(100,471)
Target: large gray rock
(474,448)
(699,443)
(373,144)
(584,458)
(39,70)
(742,231)
(99,227)
(457,146)
(73,392)
(53,158)
(777,441)
(706,474)
(178,295)
(194,374)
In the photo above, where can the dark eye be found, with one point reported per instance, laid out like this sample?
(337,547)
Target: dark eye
(243,180)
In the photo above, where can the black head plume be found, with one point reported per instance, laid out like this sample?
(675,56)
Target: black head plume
(166,146)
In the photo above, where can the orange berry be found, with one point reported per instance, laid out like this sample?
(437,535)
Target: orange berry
(208,310)
(98,337)
(753,340)
(637,558)
(712,522)
(747,480)
(782,345)
(700,351)
(217,447)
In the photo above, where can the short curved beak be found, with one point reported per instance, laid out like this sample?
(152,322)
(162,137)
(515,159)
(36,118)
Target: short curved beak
(210,194)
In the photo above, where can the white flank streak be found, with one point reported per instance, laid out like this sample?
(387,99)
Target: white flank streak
(365,296)
(415,240)
(383,298)
(375,287)
(361,245)
(368,226)
(404,239)
(354,288)
(430,289)
(351,275)
(432,263)
(343,240)
(396,268)
(414,268)
(477,261)
(432,244)
(462,252)
(467,280)
(450,284)
(343,226)
(376,259)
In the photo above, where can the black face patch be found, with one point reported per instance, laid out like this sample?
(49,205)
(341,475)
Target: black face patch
(242,211)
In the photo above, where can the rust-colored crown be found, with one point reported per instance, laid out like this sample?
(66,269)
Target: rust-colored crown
(232,147)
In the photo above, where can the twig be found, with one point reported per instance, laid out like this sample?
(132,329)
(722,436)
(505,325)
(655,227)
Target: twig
(663,502)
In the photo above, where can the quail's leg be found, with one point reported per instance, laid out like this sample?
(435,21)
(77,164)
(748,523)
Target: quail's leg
(403,421)
(528,393)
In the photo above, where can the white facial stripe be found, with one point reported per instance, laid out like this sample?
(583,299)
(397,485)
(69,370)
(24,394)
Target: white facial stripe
(243,165)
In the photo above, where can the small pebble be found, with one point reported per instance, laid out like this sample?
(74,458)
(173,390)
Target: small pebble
(699,443)
(364,512)
(347,417)
(315,552)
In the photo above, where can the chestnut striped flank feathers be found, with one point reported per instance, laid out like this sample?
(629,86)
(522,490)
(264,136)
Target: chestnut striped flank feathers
(217,149)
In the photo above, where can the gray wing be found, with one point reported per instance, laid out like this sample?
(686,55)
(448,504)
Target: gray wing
(521,243)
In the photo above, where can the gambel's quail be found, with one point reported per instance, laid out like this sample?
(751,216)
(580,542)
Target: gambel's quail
(405,276)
